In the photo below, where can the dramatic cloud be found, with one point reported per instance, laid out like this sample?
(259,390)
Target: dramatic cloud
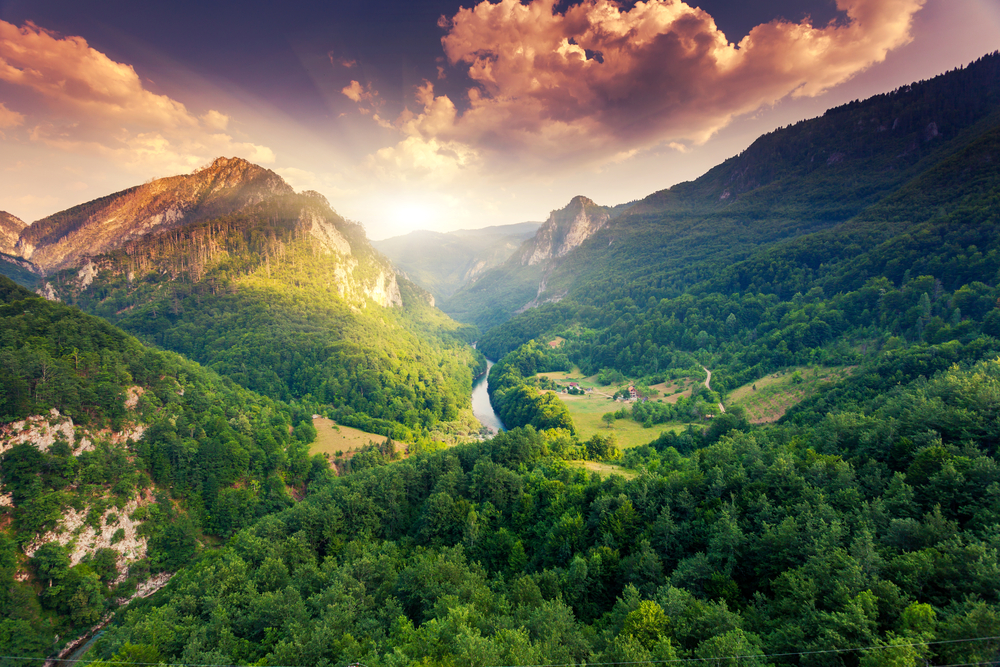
(97,106)
(595,83)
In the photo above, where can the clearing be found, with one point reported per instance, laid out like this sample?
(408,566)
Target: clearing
(586,412)
(604,469)
(767,400)
(332,437)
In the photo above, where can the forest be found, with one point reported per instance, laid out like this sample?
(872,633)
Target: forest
(866,537)
(231,455)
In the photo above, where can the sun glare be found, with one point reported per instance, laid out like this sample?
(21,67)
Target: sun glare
(408,216)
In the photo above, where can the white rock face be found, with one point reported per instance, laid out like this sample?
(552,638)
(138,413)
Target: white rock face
(87,274)
(42,431)
(47,292)
(329,237)
(82,539)
(565,230)
(385,291)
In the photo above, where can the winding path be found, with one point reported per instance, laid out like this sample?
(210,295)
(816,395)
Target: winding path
(708,386)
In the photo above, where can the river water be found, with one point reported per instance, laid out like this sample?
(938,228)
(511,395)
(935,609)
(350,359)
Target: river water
(481,403)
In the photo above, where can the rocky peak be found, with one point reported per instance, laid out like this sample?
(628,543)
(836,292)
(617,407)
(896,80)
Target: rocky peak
(226,186)
(565,229)
(10,229)
(234,172)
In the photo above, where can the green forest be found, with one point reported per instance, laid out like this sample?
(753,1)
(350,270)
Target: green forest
(861,535)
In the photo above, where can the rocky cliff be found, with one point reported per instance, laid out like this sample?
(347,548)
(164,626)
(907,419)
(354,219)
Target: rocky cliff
(10,230)
(226,186)
(565,230)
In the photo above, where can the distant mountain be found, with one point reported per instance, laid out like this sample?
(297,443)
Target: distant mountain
(10,231)
(522,281)
(20,270)
(226,186)
(443,262)
(791,182)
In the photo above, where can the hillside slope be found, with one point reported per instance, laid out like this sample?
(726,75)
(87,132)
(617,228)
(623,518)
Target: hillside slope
(115,461)
(794,181)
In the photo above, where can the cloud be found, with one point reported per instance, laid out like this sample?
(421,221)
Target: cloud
(595,82)
(94,105)
(346,63)
(215,120)
(9,118)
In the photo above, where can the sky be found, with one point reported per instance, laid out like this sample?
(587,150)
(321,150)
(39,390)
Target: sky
(431,114)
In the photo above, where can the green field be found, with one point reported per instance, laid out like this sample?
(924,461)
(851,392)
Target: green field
(766,400)
(604,469)
(586,412)
(332,438)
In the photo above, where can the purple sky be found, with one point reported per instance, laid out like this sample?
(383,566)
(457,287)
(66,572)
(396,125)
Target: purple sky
(422,114)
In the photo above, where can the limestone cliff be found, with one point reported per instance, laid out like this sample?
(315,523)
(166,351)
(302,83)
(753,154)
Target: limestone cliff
(565,230)
(10,230)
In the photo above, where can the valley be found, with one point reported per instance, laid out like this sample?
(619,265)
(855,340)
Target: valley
(751,419)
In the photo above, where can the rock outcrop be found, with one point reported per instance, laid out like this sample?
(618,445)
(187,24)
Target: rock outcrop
(565,230)
(10,230)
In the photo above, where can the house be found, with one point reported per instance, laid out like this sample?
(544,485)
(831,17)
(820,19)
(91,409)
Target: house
(632,393)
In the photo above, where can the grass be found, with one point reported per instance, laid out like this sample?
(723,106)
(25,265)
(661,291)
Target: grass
(604,469)
(766,400)
(586,412)
(673,391)
(332,438)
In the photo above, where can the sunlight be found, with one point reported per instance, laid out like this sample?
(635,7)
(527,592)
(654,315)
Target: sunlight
(411,215)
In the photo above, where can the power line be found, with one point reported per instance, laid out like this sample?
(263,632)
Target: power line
(880,647)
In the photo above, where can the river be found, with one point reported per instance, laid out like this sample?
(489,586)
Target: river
(481,403)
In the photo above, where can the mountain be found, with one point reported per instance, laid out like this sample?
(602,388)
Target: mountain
(20,270)
(522,281)
(794,181)
(226,186)
(10,230)
(915,264)
(117,462)
(443,262)
(271,288)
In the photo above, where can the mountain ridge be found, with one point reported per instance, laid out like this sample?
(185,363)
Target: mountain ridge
(225,186)
(793,181)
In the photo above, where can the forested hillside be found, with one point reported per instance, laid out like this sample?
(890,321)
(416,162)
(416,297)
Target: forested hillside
(117,462)
(920,267)
(796,180)
(866,538)
(290,300)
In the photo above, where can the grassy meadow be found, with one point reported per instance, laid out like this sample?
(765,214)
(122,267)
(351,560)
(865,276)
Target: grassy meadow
(332,438)
(766,400)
